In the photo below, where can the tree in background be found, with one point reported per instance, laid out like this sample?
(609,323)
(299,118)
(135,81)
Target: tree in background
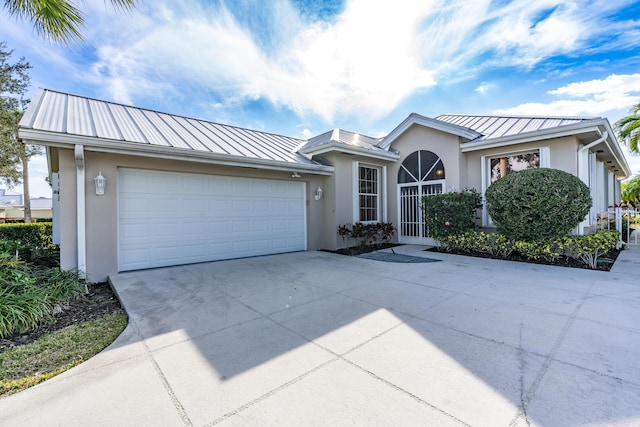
(631,191)
(14,156)
(628,129)
(58,20)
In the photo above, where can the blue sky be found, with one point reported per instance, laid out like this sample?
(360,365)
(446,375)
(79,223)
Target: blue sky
(301,67)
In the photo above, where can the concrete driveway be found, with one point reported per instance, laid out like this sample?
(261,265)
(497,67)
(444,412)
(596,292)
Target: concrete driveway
(313,338)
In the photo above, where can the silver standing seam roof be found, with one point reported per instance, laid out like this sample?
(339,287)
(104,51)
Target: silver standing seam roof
(492,127)
(126,126)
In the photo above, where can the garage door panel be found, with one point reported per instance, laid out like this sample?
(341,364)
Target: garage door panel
(172,218)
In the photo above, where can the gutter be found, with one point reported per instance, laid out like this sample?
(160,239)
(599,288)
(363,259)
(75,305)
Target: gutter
(49,139)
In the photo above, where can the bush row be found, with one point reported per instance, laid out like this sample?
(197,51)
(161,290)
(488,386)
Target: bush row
(29,242)
(586,249)
(367,234)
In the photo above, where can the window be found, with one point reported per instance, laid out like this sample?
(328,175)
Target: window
(368,193)
(421,166)
(503,166)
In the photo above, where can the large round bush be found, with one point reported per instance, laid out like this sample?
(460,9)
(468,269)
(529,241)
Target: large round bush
(537,204)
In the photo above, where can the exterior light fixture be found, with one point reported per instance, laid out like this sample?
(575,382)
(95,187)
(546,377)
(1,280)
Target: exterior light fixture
(439,172)
(295,175)
(100,183)
(318,195)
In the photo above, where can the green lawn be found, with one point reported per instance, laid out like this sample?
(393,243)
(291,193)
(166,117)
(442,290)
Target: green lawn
(27,365)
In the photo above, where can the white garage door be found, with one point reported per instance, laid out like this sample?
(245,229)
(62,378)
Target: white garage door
(169,218)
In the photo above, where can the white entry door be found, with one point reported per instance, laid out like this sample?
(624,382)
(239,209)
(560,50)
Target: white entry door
(167,218)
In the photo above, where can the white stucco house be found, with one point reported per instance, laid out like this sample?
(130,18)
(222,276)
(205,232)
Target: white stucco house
(181,190)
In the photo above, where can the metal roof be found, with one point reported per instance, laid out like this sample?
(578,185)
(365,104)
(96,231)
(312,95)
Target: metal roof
(126,126)
(492,127)
(343,137)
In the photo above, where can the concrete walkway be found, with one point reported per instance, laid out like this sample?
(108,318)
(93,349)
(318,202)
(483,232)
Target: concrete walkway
(313,338)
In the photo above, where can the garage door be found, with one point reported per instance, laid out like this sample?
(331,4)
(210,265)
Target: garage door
(169,218)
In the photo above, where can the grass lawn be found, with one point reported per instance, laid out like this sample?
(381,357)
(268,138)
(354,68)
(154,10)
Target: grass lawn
(27,365)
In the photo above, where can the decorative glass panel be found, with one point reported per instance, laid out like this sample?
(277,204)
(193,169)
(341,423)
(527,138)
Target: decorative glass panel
(421,166)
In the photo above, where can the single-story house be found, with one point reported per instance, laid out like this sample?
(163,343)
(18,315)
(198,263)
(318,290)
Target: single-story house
(138,189)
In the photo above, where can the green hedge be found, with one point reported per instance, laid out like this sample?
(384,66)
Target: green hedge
(450,213)
(31,242)
(37,234)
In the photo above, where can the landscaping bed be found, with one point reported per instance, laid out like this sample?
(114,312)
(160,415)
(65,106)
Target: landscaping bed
(605,262)
(100,301)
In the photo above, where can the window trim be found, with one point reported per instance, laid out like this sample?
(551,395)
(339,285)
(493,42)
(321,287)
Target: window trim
(382,185)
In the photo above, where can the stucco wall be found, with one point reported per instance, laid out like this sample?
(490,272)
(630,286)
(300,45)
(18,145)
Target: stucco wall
(101,211)
(340,204)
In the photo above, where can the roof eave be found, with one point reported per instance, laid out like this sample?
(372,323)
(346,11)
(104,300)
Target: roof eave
(49,139)
(350,149)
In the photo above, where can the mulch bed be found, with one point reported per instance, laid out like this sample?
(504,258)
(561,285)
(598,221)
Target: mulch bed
(605,264)
(359,250)
(99,302)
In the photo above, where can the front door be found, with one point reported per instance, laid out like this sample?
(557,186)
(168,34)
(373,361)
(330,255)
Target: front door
(421,174)
(412,226)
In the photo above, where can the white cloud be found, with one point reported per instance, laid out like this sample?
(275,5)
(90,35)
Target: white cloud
(611,96)
(362,63)
(484,88)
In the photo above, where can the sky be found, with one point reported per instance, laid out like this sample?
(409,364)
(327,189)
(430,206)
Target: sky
(302,67)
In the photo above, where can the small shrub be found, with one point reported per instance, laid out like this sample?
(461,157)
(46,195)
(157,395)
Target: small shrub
(367,234)
(537,204)
(450,213)
(28,294)
(540,250)
(493,244)
(590,247)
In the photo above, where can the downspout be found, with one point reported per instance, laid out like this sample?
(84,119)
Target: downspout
(80,209)
(583,173)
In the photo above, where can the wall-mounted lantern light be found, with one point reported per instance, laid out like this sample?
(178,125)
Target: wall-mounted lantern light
(100,183)
(295,175)
(318,193)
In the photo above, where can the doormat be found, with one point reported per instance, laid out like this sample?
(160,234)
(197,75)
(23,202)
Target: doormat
(391,257)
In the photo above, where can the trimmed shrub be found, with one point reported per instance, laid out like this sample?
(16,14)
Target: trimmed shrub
(537,204)
(450,213)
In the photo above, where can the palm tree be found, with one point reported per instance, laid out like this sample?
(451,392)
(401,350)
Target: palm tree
(59,20)
(628,129)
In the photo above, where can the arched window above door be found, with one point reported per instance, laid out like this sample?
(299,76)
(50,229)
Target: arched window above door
(421,166)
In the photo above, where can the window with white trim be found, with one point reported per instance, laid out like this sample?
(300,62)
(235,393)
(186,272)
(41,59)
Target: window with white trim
(369,186)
